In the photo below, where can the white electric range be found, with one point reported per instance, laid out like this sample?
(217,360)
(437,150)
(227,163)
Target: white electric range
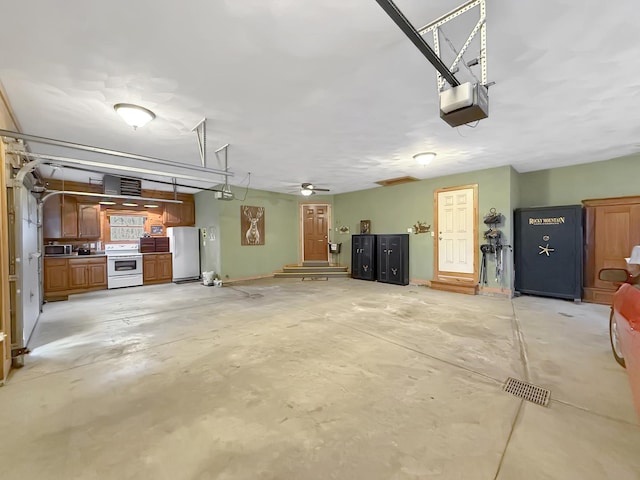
(124,265)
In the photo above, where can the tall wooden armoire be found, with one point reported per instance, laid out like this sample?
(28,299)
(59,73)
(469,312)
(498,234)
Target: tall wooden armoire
(612,228)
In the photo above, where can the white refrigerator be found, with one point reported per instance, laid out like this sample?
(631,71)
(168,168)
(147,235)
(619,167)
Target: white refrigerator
(184,244)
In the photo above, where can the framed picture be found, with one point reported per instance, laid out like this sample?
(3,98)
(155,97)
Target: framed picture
(365,226)
(156,229)
(344,229)
(251,225)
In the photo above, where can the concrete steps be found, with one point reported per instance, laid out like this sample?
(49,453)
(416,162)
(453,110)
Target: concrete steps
(312,271)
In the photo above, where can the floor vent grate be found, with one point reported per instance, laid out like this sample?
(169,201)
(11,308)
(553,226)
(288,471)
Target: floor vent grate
(531,393)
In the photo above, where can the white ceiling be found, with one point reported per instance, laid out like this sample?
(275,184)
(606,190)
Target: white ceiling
(326,92)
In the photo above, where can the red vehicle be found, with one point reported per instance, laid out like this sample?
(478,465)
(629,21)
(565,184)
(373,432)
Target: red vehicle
(624,322)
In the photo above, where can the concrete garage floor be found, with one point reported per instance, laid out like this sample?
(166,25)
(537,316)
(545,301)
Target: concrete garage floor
(283,379)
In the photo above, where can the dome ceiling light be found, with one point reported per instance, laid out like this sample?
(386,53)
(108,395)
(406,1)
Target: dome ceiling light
(424,158)
(134,115)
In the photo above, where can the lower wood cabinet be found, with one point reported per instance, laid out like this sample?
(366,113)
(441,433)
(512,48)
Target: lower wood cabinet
(157,268)
(56,275)
(66,276)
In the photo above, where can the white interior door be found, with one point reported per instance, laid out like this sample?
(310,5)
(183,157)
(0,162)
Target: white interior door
(456,248)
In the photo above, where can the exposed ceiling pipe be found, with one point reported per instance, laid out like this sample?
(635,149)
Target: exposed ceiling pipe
(51,193)
(43,158)
(69,167)
(105,151)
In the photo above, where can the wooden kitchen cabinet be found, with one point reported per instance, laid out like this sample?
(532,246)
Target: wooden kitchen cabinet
(179,214)
(78,275)
(90,272)
(56,274)
(157,268)
(60,217)
(612,228)
(65,276)
(69,216)
(88,221)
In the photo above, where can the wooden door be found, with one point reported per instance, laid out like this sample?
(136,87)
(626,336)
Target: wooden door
(69,217)
(187,214)
(315,232)
(52,217)
(149,270)
(97,273)
(456,227)
(164,268)
(56,275)
(172,214)
(78,277)
(88,221)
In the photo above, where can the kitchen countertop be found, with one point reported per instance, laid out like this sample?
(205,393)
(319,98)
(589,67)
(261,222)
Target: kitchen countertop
(75,255)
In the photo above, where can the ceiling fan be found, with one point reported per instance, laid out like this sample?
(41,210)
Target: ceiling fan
(307,189)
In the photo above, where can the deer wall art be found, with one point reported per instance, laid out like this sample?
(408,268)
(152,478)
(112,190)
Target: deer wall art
(252,225)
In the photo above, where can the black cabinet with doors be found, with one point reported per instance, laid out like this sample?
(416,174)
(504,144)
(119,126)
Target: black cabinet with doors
(363,257)
(393,258)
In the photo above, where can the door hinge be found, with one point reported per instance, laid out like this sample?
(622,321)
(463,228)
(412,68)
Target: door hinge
(16,352)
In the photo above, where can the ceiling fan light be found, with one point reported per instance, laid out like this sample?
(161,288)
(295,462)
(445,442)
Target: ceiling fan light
(306,192)
(424,158)
(134,115)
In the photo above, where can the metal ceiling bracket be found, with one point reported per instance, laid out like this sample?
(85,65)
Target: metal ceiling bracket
(201,133)
(409,30)
(480,26)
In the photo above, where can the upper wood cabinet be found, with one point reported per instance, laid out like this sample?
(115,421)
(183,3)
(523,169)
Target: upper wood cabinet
(179,214)
(60,217)
(64,217)
(88,221)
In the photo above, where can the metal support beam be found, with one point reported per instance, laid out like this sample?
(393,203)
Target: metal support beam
(105,151)
(480,26)
(409,30)
(42,159)
(51,193)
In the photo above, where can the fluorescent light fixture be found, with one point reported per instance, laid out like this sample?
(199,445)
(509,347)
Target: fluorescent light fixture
(306,192)
(129,204)
(424,158)
(107,202)
(151,206)
(134,115)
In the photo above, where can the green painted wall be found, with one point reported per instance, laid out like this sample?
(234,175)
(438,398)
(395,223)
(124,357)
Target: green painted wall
(208,220)
(570,185)
(395,209)
(228,257)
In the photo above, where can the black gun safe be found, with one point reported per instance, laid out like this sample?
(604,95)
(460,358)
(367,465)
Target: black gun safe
(548,251)
(363,257)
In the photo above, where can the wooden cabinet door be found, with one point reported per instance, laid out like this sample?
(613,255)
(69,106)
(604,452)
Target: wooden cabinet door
(56,275)
(187,214)
(69,217)
(172,214)
(165,271)
(52,218)
(149,268)
(88,221)
(97,273)
(78,277)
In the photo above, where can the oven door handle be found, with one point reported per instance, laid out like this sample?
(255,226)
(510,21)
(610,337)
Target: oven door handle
(123,257)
